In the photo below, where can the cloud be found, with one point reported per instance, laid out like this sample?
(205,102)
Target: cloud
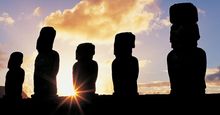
(5,18)
(214,74)
(37,12)
(211,71)
(163,87)
(213,86)
(143,63)
(154,84)
(201,11)
(213,80)
(165,22)
(156,87)
(160,23)
(102,19)
(213,83)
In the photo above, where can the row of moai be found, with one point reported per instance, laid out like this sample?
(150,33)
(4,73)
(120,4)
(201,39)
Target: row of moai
(84,73)
(186,62)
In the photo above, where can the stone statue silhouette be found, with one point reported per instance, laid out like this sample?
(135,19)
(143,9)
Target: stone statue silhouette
(85,70)
(14,77)
(46,65)
(186,62)
(125,68)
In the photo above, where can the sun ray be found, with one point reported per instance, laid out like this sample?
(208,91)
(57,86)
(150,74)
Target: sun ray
(78,98)
(79,106)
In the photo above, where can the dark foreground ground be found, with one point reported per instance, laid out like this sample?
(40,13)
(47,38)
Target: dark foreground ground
(111,105)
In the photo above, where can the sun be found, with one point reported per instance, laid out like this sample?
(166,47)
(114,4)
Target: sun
(65,85)
(64,82)
(75,93)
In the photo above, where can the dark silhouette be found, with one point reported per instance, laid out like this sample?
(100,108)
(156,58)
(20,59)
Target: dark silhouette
(46,65)
(125,67)
(14,77)
(186,62)
(183,13)
(85,70)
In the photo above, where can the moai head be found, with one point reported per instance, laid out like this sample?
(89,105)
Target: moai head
(184,36)
(184,32)
(183,13)
(85,51)
(124,42)
(46,39)
(15,60)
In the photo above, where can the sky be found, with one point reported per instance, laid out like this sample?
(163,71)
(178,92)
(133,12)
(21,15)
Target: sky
(97,21)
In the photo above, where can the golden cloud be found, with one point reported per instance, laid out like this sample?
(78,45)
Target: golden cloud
(211,71)
(156,87)
(102,19)
(5,18)
(212,86)
(165,22)
(213,83)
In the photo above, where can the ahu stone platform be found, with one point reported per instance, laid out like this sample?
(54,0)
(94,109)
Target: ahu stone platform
(112,105)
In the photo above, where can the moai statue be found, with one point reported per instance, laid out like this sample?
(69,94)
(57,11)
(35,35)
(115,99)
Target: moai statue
(125,68)
(14,77)
(46,65)
(186,62)
(85,70)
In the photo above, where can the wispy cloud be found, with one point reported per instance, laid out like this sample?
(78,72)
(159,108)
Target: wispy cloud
(213,80)
(160,23)
(156,87)
(102,19)
(154,84)
(37,11)
(214,74)
(163,87)
(165,22)
(201,11)
(5,18)
(211,71)
(143,63)
(213,86)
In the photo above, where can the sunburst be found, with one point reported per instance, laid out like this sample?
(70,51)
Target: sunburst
(77,99)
